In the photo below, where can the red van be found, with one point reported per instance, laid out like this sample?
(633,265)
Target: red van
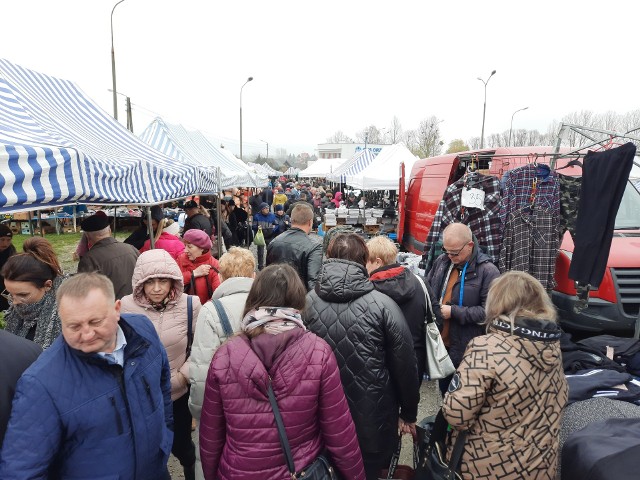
(614,307)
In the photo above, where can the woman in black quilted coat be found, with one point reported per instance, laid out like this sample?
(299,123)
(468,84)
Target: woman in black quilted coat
(373,346)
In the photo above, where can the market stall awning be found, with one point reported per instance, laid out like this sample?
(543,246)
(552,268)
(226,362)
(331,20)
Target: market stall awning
(57,147)
(323,167)
(292,171)
(266,168)
(383,172)
(353,166)
(192,147)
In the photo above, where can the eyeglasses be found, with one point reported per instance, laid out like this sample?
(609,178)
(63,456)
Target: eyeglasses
(453,254)
(20,297)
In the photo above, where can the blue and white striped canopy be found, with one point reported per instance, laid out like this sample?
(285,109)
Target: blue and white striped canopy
(192,147)
(57,147)
(353,166)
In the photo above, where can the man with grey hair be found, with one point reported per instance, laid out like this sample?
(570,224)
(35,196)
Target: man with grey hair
(296,248)
(97,402)
(107,256)
(460,279)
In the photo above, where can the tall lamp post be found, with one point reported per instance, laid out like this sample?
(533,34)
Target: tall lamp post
(484,111)
(511,127)
(248,80)
(113,66)
(267,148)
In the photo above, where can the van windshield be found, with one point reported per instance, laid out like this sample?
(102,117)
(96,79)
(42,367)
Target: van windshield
(628,217)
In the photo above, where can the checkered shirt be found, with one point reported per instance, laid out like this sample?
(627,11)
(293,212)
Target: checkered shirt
(485,224)
(531,244)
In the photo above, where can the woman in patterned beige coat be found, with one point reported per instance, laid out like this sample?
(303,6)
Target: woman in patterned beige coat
(510,389)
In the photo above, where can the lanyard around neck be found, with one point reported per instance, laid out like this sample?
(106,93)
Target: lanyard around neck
(463,274)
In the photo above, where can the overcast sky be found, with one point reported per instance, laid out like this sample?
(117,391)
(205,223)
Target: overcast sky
(320,67)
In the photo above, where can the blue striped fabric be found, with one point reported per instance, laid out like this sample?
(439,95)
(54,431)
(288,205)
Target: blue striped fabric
(354,165)
(192,147)
(57,147)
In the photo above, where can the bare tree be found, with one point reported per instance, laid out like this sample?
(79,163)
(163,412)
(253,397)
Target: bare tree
(339,137)
(426,141)
(395,132)
(370,135)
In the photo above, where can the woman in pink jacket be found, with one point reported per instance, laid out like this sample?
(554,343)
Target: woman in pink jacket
(238,435)
(166,238)
(158,293)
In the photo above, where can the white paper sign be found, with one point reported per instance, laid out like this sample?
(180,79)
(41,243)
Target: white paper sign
(473,198)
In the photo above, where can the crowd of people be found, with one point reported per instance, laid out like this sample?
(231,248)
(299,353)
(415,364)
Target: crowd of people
(104,373)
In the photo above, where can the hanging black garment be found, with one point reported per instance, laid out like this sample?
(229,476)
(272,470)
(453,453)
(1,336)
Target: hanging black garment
(604,179)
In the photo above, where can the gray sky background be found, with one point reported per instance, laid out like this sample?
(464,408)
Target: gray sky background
(320,67)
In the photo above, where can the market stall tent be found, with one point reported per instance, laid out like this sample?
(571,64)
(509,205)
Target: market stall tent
(323,167)
(57,148)
(353,166)
(383,172)
(192,147)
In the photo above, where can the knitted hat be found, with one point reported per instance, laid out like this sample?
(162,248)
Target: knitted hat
(199,238)
(264,205)
(157,213)
(279,207)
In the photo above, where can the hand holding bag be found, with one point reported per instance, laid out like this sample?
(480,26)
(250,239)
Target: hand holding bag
(439,365)
(258,240)
(432,463)
(400,472)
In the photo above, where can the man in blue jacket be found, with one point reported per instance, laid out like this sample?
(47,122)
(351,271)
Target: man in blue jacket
(97,403)
(266,221)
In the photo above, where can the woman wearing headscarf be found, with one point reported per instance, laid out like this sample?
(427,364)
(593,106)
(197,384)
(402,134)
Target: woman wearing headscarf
(238,435)
(374,348)
(31,280)
(199,268)
(510,388)
(158,294)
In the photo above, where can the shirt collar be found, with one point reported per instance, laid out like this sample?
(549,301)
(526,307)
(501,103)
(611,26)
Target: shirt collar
(117,356)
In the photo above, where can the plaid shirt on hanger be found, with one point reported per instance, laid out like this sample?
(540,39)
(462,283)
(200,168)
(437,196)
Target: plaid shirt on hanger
(485,224)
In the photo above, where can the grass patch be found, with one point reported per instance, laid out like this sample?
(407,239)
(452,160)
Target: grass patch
(64,245)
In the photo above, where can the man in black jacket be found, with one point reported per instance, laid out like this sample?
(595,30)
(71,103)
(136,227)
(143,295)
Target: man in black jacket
(196,219)
(296,248)
(460,279)
(16,354)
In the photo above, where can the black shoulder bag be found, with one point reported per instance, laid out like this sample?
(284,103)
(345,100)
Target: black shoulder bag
(432,463)
(320,469)
(189,324)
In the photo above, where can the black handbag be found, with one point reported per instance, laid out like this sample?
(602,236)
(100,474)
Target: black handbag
(432,464)
(320,469)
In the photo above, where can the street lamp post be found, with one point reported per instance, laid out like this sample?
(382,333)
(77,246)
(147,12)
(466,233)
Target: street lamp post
(484,111)
(511,127)
(267,148)
(113,66)
(248,80)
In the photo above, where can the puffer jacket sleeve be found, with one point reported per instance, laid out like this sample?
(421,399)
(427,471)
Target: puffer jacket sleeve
(468,388)
(33,435)
(401,359)
(183,370)
(314,264)
(212,426)
(336,424)
(205,343)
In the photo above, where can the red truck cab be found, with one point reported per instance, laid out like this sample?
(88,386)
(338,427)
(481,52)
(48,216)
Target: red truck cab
(614,307)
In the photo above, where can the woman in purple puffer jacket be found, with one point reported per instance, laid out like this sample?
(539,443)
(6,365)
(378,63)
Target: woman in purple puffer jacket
(238,434)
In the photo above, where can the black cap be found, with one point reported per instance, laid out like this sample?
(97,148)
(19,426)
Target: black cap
(157,213)
(5,231)
(190,204)
(95,223)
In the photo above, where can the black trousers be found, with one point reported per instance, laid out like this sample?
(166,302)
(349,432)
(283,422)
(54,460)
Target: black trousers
(183,448)
(604,179)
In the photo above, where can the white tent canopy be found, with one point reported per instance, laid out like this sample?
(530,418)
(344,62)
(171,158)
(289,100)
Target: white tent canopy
(353,166)
(323,167)
(192,147)
(383,172)
(57,147)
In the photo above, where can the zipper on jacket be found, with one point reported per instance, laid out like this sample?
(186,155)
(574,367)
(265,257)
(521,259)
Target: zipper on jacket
(118,418)
(148,390)
(123,390)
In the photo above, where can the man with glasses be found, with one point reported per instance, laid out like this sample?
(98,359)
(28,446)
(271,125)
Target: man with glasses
(460,278)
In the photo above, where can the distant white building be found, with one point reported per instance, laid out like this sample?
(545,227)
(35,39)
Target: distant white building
(345,150)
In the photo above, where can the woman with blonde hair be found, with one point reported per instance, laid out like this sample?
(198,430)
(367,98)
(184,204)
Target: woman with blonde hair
(31,280)
(510,388)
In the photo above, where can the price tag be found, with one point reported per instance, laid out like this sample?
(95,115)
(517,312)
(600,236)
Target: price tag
(473,198)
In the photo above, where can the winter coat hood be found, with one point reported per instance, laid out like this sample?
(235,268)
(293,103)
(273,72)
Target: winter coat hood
(156,264)
(537,341)
(395,281)
(341,281)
